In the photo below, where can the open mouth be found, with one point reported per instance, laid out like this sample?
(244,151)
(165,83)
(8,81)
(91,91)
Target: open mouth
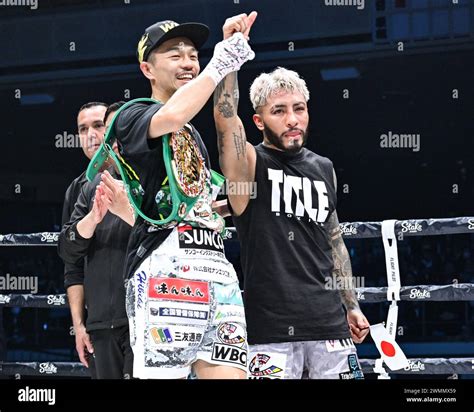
(186,77)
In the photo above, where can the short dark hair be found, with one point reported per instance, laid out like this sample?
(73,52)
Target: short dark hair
(113,108)
(151,56)
(88,105)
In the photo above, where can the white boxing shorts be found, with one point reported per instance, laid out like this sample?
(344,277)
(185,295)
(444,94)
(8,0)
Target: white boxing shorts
(183,304)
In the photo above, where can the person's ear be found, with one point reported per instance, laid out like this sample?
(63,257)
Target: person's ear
(257,119)
(145,68)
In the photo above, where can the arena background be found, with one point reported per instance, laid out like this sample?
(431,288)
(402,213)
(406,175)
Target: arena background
(393,66)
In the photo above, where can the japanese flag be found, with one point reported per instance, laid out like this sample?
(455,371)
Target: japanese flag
(391,353)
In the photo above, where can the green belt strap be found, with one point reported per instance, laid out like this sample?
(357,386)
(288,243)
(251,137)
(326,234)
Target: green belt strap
(181,203)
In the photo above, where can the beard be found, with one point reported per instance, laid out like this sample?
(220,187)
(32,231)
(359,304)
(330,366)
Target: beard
(279,140)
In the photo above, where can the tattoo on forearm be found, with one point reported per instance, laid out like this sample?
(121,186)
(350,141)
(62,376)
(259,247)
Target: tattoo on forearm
(225,107)
(226,101)
(342,264)
(226,96)
(240,143)
(218,92)
(220,142)
(234,89)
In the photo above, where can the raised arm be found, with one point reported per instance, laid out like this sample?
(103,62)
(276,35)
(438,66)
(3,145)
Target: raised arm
(236,156)
(185,103)
(229,55)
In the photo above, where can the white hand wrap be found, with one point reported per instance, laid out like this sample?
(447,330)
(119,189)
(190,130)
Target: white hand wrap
(229,56)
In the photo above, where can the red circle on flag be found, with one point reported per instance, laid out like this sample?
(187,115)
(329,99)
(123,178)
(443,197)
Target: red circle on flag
(387,348)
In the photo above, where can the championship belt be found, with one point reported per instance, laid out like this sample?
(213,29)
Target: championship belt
(185,169)
(186,173)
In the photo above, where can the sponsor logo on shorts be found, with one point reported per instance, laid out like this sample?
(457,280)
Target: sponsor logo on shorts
(197,238)
(230,313)
(179,290)
(161,335)
(354,366)
(263,365)
(228,294)
(207,270)
(191,337)
(231,333)
(346,375)
(339,344)
(204,254)
(140,279)
(179,313)
(176,336)
(229,354)
(176,313)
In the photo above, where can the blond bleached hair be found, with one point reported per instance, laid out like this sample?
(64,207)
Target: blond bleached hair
(280,79)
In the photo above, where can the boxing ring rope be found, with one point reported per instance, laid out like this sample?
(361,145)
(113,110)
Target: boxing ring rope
(418,366)
(354,230)
(350,230)
(436,293)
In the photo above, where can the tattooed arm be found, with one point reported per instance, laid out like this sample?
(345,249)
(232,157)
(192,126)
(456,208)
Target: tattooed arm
(358,323)
(342,264)
(236,155)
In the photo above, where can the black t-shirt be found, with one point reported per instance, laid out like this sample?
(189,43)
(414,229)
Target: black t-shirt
(73,273)
(145,156)
(70,198)
(102,257)
(286,250)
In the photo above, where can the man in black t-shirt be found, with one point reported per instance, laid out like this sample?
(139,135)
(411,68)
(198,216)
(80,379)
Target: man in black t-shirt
(297,271)
(183,299)
(97,241)
(90,127)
